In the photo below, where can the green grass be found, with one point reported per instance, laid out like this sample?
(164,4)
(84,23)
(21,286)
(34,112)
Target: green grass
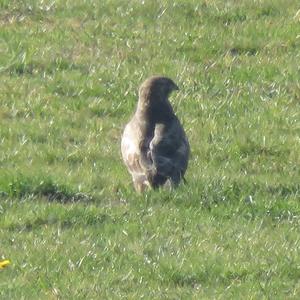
(70,221)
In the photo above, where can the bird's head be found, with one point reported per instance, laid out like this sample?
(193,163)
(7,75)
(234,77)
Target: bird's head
(157,88)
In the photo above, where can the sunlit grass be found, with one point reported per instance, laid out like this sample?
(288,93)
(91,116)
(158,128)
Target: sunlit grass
(70,222)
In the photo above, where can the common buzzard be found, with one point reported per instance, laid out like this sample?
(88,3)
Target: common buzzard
(154,146)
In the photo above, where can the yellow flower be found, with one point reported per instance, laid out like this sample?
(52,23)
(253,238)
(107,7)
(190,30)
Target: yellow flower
(4,263)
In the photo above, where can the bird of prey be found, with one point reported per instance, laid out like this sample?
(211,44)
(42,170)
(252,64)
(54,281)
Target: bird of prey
(154,146)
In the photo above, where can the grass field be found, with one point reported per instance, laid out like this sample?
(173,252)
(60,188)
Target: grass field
(70,221)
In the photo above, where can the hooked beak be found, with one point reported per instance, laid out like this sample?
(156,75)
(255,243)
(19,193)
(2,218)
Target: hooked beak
(175,87)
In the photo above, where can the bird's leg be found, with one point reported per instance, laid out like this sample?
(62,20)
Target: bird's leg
(141,185)
(168,185)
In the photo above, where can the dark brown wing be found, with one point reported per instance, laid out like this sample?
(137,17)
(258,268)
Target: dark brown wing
(169,153)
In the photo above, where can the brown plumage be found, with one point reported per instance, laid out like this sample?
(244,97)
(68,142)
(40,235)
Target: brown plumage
(154,145)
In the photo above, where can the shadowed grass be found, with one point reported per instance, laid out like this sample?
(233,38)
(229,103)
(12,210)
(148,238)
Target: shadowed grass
(27,187)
